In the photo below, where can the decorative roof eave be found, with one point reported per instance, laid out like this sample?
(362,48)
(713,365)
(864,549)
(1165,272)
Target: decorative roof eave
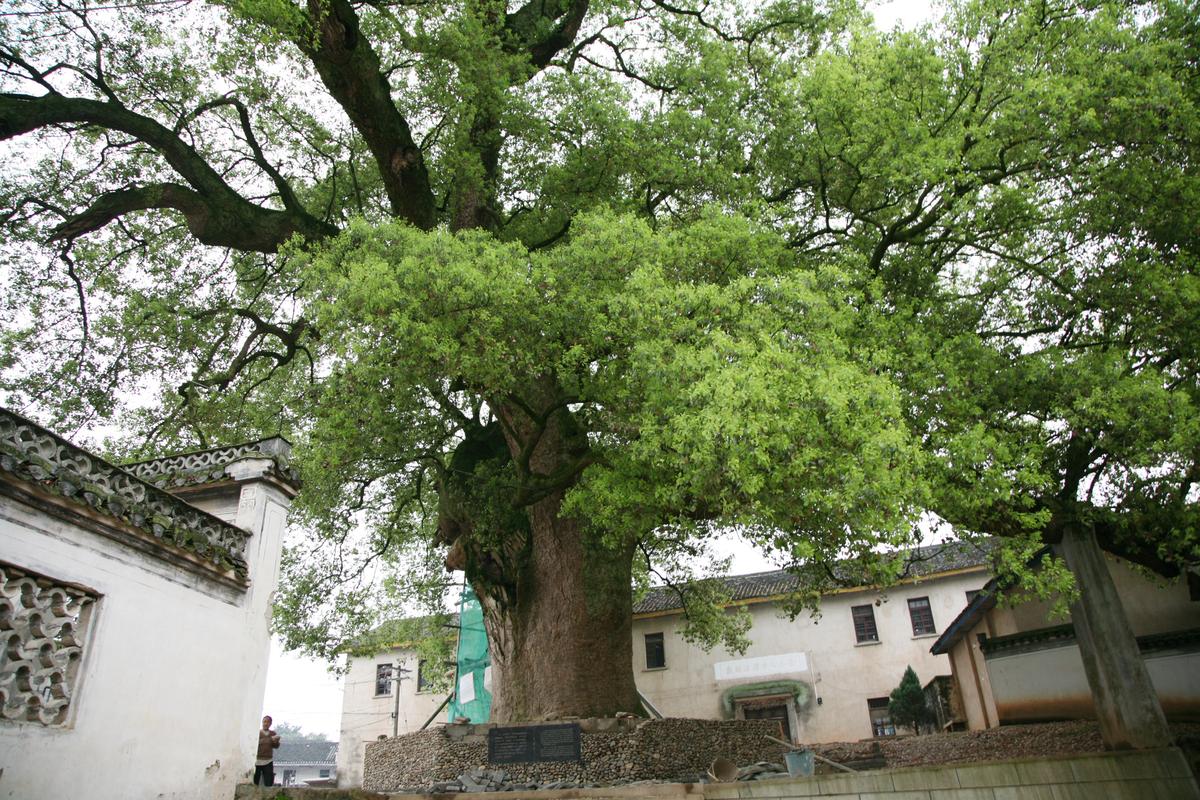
(1187,640)
(204,467)
(45,467)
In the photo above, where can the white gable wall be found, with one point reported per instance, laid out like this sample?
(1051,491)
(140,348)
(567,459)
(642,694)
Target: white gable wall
(168,695)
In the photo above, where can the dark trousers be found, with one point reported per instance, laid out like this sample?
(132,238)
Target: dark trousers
(264,775)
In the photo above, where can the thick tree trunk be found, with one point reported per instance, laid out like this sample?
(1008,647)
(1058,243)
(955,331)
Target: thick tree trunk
(1127,705)
(564,647)
(557,601)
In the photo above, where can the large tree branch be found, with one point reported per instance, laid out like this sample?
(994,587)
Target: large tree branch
(292,336)
(215,213)
(526,23)
(211,221)
(286,194)
(351,71)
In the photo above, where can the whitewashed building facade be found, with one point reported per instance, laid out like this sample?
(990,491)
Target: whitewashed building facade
(135,607)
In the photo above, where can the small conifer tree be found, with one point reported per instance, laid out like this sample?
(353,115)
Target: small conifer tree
(907,706)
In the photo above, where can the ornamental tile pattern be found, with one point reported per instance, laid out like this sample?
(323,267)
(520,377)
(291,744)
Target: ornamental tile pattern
(207,466)
(42,630)
(33,454)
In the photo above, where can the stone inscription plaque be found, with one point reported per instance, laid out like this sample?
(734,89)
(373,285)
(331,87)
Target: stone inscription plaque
(534,743)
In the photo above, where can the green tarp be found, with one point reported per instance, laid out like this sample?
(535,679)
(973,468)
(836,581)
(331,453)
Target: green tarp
(472,699)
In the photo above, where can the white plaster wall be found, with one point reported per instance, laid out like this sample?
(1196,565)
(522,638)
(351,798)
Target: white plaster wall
(366,716)
(304,773)
(1051,683)
(171,683)
(844,674)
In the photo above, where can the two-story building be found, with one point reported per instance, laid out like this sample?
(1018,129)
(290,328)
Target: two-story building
(824,678)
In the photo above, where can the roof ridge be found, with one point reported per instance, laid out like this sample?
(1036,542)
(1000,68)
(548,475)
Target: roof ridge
(971,553)
(35,454)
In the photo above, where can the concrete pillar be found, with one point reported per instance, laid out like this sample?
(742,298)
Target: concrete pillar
(1127,705)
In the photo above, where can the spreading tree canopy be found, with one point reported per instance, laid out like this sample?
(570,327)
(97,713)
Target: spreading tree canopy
(554,292)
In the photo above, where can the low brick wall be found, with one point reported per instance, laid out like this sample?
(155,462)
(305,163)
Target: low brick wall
(613,750)
(1138,775)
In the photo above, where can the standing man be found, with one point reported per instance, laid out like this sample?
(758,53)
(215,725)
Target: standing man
(264,762)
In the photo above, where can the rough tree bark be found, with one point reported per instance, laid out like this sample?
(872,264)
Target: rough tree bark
(565,647)
(557,600)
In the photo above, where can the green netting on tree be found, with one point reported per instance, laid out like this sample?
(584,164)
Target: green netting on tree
(471,699)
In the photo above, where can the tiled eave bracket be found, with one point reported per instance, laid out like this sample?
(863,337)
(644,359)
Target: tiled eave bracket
(46,471)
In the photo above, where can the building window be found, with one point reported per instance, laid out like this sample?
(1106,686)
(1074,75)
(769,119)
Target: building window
(921,615)
(44,627)
(881,718)
(383,679)
(864,624)
(423,682)
(324,773)
(656,654)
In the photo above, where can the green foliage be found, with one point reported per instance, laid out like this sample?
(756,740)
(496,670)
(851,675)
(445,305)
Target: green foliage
(293,733)
(753,268)
(907,704)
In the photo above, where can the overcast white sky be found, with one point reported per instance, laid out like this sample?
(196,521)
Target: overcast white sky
(302,692)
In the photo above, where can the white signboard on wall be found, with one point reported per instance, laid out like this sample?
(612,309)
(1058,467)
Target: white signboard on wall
(761,667)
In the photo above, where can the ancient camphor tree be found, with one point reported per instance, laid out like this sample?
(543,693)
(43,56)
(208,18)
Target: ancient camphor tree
(559,288)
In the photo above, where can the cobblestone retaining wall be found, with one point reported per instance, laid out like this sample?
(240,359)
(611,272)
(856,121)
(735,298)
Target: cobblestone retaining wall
(613,750)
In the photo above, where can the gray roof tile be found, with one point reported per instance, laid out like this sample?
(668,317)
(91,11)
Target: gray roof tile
(301,752)
(921,562)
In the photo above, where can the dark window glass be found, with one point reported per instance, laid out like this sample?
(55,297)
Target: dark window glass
(324,773)
(383,679)
(656,655)
(864,624)
(921,615)
(881,718)
(423,682)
